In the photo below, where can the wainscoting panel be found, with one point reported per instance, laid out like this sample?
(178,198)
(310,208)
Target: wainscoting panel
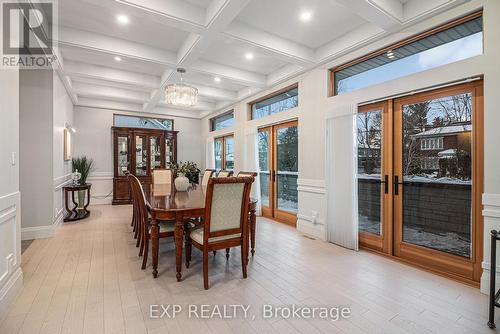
(10,249)
(491,214)
(312,207)
(102,188)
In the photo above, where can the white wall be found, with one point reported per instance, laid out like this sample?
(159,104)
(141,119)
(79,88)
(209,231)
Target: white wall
(62,117)
(314,104)
(45,109)
(35,148)
(10,211)
(94,139)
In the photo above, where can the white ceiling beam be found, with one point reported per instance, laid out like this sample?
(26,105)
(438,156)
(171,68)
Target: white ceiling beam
(202,105)
(386,14)
(216,93)
(219,15)
(109,93)
(108,74)
(105,104)
(231,73)
(359,37)
(115,46)
(175,13)
(108,83)
(281,48)
(284,73)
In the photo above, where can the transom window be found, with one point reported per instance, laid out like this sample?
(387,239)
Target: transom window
(429,163)
(449,43)
(277,102)
(431,143)
(126,121)
(223,121)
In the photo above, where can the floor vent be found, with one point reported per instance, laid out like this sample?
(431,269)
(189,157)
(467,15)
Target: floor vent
(308,237)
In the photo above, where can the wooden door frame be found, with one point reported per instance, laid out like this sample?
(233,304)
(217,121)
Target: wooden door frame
(384,242)
(267,211)
(281,215)
(272,211)
(447,264)
(223,148)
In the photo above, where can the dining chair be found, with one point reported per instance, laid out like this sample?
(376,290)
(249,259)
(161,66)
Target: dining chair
(162,176)
(135,215)
(225,173)
(167,228)
(226,221)
(242,173)
(206,176)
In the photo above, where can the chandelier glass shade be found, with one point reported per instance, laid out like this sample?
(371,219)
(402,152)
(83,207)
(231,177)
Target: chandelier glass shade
(181,94)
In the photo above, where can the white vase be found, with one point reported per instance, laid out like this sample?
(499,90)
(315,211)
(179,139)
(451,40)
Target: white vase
(181,182)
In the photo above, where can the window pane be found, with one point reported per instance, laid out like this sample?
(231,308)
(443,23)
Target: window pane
(125,121)
(223,121)
(218,153)
(437,187)
(264,137)
(369,141)
(460,42)
(229,141)
(287,168)
(276,104)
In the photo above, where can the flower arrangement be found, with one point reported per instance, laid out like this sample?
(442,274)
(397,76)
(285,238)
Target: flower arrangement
(188,168)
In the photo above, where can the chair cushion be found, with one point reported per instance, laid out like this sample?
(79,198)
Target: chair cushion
(197,235)
(167,226)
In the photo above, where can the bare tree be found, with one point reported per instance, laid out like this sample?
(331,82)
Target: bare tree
(457,108)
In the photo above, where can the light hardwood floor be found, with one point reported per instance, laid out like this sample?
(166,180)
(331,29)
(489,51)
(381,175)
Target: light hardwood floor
(88,279)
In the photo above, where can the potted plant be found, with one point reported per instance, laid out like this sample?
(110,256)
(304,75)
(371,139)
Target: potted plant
(84,166)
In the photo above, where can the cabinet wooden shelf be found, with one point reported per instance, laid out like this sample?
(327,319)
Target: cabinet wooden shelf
(139,151)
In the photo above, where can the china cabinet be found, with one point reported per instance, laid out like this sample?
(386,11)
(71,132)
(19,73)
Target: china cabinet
(139,151)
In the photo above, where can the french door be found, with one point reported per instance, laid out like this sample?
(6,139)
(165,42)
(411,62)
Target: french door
(420,179)
(278,171)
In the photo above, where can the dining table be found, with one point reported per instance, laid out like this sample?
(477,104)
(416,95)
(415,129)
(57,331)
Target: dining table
(165,203)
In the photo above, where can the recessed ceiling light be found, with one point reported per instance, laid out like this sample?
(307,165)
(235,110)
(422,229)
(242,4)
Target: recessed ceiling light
(248,56)
(122,19)
(117,58)
(217,79)
(305,16)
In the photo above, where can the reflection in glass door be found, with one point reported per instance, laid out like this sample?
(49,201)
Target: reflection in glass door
(373,175)
(420,179)
(437,179)
(141,155)
(278,171)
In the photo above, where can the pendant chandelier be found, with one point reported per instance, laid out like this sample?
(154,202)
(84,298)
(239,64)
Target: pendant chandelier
(180,94)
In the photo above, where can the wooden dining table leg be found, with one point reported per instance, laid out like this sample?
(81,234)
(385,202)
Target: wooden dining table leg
(179,237)
(155,245)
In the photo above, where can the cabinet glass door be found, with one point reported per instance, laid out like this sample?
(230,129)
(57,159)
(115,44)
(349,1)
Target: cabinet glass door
(169,151)
(141,156)
(155,151)
(123,154)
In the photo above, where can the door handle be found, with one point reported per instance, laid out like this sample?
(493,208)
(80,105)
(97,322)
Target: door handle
(396,185)
(274,176)
(386,184)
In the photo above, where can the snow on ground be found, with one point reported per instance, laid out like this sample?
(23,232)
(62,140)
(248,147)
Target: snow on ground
(449,242)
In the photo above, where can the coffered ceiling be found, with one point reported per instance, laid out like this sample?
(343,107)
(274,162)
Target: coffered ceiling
(121,54)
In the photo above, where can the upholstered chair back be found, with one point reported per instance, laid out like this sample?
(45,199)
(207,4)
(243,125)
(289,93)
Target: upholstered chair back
(227,206)
(206,177)
(162,176)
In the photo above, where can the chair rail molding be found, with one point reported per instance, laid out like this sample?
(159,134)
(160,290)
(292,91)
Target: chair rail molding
(312,207)
(11,275)
(491,215)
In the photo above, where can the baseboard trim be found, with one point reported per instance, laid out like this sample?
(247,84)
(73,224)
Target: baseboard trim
(314,230)
(10,291)
(42,232)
